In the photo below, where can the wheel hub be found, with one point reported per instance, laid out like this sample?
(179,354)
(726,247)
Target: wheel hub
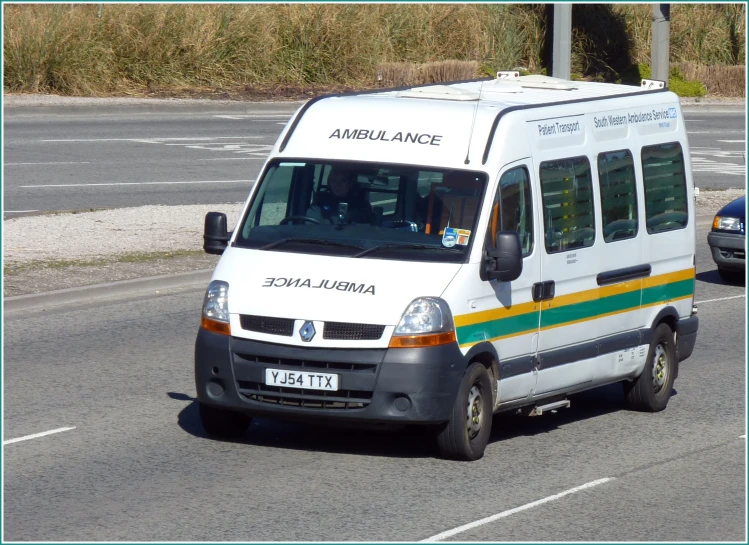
(474,415)
(660,368)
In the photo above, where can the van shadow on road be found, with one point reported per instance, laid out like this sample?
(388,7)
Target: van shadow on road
(407,442)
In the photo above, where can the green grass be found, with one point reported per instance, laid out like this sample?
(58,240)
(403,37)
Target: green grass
(141,49)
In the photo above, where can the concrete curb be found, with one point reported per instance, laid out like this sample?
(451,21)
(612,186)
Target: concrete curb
(716,108)
(110,290)
(196,107)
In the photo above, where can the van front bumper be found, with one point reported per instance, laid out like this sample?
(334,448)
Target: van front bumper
(397,385)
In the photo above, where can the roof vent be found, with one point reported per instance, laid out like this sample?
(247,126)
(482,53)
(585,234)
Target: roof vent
(545,82)
(652,84)
(535,81)
(443,92)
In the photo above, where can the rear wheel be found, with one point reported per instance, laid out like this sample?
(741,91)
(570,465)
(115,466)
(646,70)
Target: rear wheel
(651,391)
(466,434)
(222,423)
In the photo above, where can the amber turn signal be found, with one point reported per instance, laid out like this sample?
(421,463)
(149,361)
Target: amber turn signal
(418,341)
(217,327)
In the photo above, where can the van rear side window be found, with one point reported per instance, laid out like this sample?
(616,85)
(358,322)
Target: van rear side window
(616,176)
(568,204)
(665,187)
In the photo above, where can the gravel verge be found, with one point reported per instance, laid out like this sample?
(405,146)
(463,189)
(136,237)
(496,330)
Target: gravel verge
(64,250)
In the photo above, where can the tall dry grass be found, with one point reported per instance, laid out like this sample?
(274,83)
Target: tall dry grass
(138,48)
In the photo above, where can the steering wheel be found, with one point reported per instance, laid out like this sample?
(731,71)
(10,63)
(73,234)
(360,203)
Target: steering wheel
(287,219)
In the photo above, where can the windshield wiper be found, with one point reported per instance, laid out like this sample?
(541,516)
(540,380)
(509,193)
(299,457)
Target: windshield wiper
(308,241)
(406,246)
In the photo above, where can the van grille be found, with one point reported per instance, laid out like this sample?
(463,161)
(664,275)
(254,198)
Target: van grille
(340,331)
(307,399)
(267,325)
(307,365)
(352,332)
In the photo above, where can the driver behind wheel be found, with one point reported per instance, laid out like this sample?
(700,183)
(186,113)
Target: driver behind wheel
(342,188)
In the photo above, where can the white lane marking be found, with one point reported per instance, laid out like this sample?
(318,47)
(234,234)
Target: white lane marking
(234,159)
(503,514)
(253,116)
(742,436)
(152,140)
(733,141)
(51,163)
(144,183)
(36,435)
(721,299)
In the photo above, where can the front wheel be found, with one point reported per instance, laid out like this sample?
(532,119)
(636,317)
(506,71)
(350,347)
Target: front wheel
(651,391)
(466,434)
(222,423)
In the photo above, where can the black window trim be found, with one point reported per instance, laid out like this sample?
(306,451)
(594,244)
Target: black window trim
(644,188)
(637,201)
(592,203)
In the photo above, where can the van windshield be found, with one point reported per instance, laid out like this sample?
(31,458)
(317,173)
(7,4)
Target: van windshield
(364,210)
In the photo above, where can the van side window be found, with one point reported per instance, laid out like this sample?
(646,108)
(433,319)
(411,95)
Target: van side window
(568,204)
(665,187)
(616,176)
(513,208)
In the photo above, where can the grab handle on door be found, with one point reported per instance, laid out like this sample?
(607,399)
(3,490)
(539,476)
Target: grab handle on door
(543,290)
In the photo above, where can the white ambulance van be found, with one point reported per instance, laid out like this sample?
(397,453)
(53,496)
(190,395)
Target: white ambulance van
(438,254)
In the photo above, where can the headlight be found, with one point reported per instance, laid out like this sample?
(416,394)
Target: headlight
(216,308)
(727,224)
(426,322)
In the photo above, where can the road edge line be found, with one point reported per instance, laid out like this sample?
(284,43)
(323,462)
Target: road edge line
(109,290)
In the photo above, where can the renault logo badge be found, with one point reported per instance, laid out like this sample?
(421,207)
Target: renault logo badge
(307,331)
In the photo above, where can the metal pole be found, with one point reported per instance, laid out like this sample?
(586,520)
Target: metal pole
(659,45)
(560,62)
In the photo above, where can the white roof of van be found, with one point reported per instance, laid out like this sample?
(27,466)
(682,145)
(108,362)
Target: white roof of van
(444,118)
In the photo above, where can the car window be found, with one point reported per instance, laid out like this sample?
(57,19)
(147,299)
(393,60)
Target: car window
(665,187)
(513,208)
(616,178)
(567,195)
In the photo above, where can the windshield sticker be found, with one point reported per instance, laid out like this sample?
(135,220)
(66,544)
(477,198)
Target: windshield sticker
(453,236)
(327,284)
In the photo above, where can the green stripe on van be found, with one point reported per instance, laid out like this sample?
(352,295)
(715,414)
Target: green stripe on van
(555,316)
(665,292)
(498,328)
(588,310)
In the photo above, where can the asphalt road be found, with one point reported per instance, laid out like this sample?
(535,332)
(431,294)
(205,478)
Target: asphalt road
(138,467)
(58,159)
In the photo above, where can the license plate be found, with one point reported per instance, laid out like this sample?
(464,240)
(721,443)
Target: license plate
(298,379)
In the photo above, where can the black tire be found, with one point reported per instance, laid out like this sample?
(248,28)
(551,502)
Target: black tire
(651,391)
(732,277)
(461,439)
(222,423)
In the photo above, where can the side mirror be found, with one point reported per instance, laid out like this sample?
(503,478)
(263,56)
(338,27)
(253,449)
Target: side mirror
(505,262)
(215,235)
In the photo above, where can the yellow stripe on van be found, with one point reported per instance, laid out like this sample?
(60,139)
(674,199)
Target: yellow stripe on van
(496,314)
(668,278)
(574,308)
